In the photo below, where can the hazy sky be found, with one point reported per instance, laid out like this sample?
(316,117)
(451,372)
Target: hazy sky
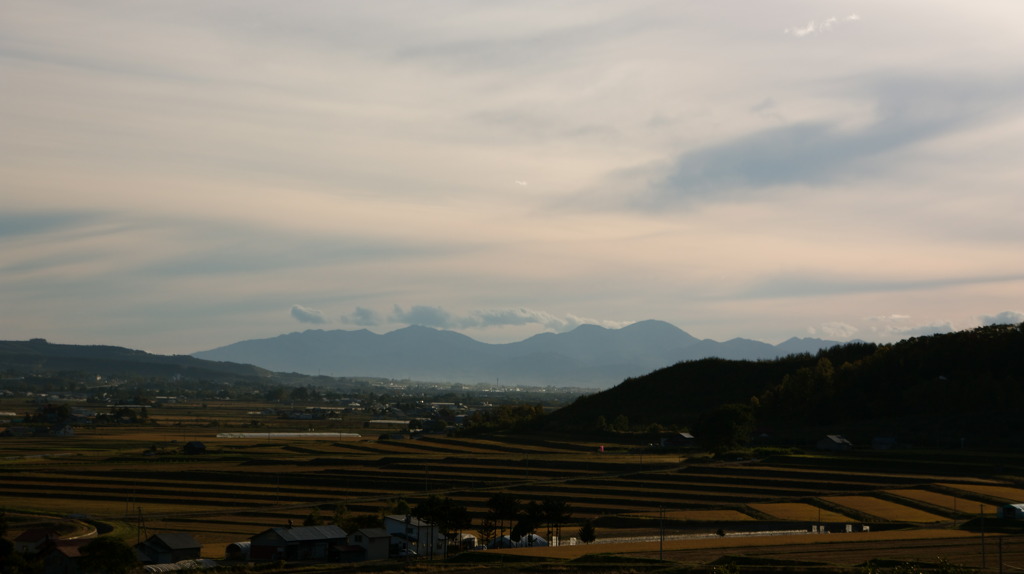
(180,175)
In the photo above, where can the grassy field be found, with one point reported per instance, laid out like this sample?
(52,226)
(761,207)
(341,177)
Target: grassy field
(242,486)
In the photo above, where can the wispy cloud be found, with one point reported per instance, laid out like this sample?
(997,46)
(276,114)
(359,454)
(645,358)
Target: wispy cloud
(820,26)
(834,330)
(908,112)
(362,317)
(308,315)
(440,318)
(506,163)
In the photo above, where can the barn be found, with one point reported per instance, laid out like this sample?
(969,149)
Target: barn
(299,543)
(168,547)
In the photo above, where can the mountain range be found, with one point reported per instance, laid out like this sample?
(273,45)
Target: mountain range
(587,356)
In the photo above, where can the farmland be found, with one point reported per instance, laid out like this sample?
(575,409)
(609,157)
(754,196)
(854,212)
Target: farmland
(136,479)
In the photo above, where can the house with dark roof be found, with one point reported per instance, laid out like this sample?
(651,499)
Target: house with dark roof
(834,442)
(375,542)
(32,540)
(167,548)
(63,556)
(298,543)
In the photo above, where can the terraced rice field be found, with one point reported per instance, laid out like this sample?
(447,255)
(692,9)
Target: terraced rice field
(244,486)
(850,550)
(1002,492)
(798,511)
(884,509)
(946,502)
(696,515)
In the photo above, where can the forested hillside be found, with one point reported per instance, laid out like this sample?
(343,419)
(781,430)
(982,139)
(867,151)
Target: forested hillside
(39,356)
(969,381)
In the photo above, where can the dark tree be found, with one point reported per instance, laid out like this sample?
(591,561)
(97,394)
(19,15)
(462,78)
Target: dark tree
(451,517)
(108,555)
(504,508)
(557,511)
(486,529)
(531,517)
(587,532)
(725,427)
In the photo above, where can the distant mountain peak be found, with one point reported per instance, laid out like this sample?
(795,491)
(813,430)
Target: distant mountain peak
(588,355)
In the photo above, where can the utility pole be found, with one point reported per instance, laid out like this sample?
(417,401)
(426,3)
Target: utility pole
(1000,554)
(140,526)
(981,511)
(661,531)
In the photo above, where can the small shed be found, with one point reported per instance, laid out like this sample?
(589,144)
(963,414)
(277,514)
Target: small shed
(1012,511)
(237,551)
(679,439)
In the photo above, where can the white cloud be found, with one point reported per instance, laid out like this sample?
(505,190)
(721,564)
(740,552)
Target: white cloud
(1004,318)
(308,315)
(309,150)
(424,316)
(897,332)
(819,27)
(834,330)
(362,317)
(438,317)
(892,317)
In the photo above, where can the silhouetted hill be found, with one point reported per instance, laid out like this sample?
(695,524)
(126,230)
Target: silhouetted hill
(38,355)
(586,356)
(968,383)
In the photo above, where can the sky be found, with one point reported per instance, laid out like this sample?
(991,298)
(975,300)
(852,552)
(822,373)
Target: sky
(180,175)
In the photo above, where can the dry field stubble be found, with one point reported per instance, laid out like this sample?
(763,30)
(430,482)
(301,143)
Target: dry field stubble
(798,511)
(947,502)
(243,486)
(845,550)
(884,509)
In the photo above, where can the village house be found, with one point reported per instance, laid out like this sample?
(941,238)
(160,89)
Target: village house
(167,548)
(62,556)
(679,439)
(409,533)
(32,540)
(298,543)
(375,542)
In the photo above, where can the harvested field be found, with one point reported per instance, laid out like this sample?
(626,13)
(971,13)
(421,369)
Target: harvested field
(884,509)
(242,486)
(1001,492)
(944,501)
(847,549)
(798,511)
(696,515)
